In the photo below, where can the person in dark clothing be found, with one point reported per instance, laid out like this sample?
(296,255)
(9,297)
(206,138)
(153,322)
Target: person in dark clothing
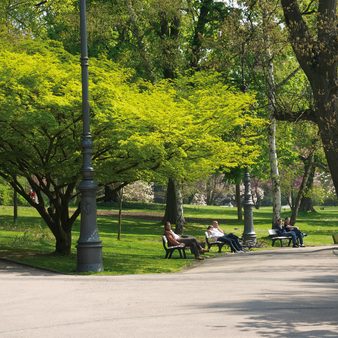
(281,231)
(293,229)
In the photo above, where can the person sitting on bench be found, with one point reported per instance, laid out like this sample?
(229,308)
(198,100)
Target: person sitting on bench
(293,229)
(281,231)
(232,240)
(174,239)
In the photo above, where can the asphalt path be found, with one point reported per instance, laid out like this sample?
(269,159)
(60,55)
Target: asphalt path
(280,293)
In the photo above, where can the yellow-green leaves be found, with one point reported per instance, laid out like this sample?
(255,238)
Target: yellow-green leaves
(184,129)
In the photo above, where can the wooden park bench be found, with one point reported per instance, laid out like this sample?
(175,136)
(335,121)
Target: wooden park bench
(275,237)
(210,241)
(170,249)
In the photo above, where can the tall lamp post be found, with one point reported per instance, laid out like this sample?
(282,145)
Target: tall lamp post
(89,247)
(249,235)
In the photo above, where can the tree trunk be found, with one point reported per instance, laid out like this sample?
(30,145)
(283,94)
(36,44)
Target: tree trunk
(56,213)
(301,191)
(317,55)
(210,189)
(174,206)
(328,128)
(239,201)
(199,31)
(306,203)
(120,214)
(63,243)
(274,172)
(110,194)
(138,34)
(169,33)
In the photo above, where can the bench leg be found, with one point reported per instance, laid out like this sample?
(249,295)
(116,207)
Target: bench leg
(281,242)
(167,254)
(180,252)
(273,242)
(290,240)
(170,253)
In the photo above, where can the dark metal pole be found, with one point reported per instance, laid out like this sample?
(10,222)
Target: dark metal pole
(249,235)
(15,206)
(89,247)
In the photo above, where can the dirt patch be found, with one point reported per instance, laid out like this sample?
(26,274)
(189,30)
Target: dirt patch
(152,217)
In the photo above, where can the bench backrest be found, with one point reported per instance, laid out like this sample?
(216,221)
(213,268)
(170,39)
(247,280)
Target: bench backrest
(209,238)
(165,242)
(335,238)
(273,232)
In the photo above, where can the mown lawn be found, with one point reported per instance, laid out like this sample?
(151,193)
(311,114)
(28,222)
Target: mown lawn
(140,248)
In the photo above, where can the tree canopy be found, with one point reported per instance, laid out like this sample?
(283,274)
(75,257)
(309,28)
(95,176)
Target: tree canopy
(180,129)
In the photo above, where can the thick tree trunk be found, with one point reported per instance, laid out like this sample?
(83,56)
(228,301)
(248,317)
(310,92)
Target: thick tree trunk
(306,204)
(63,243)
(174,206)
(110,194)
(317,55)
(328,129)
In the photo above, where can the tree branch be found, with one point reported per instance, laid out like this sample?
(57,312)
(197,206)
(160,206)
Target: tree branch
(290,116)
(300,36)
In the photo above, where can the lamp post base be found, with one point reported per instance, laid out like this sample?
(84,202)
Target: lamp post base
(250,239)
(89,257)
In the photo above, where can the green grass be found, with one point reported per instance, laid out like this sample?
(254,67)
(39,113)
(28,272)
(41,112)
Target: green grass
(140,248)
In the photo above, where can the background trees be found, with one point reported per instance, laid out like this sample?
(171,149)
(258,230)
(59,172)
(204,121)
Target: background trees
(160,109)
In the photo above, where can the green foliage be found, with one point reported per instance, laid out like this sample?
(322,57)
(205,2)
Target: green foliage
(40,110)
(6,193)
(183,129)
(225,111)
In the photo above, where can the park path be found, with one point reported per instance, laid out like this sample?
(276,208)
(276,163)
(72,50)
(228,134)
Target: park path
(280,293)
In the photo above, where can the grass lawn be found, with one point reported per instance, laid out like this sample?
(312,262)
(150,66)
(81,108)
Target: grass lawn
(140,248)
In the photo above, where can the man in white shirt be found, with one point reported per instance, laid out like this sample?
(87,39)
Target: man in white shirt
(232,240)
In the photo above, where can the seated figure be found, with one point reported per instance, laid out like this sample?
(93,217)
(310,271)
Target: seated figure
(174,239)
(281,231)
(289,228)
(232,240)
